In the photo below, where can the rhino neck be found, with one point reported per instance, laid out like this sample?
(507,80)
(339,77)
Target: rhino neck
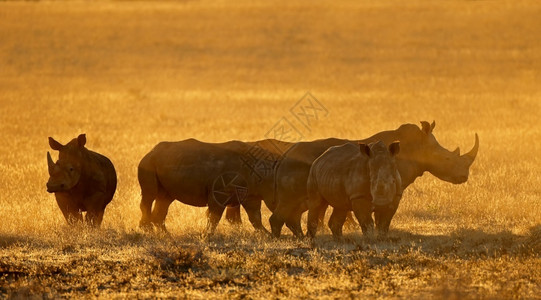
(409,171)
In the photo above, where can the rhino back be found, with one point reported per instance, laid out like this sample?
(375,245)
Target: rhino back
(339,174)
(292,172)
(186,169)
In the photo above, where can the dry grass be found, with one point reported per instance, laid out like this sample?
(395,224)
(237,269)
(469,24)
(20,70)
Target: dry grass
(131,74)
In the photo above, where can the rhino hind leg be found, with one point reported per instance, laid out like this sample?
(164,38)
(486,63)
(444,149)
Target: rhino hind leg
(232,215)
(293,222)
(321,216)
(253,209)
(277,222)
(336,221)
(316,206)
(214,214)
(362,208)
(159,212)
(149,190)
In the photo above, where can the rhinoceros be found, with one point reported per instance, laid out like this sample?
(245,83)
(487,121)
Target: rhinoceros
(420,152)
(350,177)
(216,175)
(82,181)
(263,157)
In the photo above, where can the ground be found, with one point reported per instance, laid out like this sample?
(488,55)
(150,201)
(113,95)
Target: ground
(130,74)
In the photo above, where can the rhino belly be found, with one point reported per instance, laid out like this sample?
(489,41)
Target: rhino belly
(336,198)
(190,190)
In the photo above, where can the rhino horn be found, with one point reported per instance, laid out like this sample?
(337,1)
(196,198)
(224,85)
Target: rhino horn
(457,151)
(470,156)
(50,163)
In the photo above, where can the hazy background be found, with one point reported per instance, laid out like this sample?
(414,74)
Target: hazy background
(132,73)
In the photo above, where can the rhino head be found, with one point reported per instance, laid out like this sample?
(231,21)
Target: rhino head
(66,172)
(422,147)
(385,182)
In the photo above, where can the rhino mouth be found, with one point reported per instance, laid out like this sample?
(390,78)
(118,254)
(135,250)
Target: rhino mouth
(55,188)
(381,201)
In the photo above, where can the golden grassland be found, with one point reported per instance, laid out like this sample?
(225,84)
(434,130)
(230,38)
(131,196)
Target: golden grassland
(132,73)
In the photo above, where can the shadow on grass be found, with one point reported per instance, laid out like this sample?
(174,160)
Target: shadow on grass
(462,243)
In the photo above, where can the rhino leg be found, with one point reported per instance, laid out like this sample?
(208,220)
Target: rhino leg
(70,212)
(159,213)
(384,216)
(321,216)
(214,214)
(362,208)
(253,209)
(316,206)
(95,208)
(279,217)
(336,221)
(94,217)
(149,191)
(383,221)
(276,221)
(232,215)
(293,222)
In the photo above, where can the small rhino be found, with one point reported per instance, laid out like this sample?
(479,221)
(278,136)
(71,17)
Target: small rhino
(354,177)
(82,181)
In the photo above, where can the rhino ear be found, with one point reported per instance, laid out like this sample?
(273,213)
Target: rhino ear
(54,144)
(81,139)
(432,125)
(364,149)
(426,127)
(394,148)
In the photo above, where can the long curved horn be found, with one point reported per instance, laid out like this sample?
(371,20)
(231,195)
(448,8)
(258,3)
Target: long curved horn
(50,163)
(470,156)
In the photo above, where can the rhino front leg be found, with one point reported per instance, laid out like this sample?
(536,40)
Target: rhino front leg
(69,211)
(94,218)
(362,208)
(384,216)
(383,220)
(95,209)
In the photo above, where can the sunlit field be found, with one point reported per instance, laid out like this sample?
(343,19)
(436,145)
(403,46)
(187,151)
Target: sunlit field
(132,74)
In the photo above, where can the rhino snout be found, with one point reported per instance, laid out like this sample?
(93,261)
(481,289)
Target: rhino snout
(53,188)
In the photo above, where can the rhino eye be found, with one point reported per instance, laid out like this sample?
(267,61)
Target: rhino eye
(71,169)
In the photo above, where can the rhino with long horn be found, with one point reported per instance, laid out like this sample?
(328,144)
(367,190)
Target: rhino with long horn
(420,152)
